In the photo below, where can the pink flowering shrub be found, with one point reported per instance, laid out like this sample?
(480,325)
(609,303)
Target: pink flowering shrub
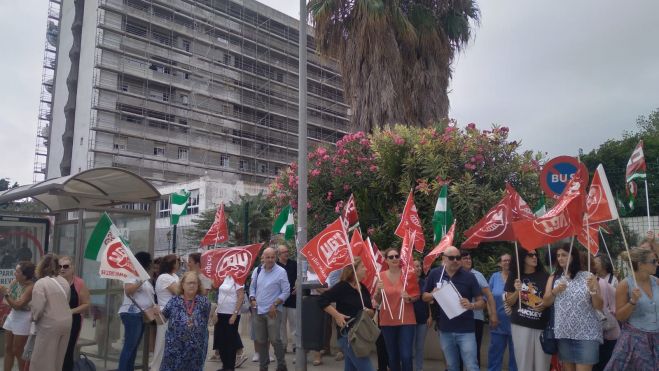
(381,168)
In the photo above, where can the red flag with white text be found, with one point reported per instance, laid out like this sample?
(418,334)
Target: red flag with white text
(600,204)
(236,262)
(443,244)
(361,249)
(218,232)
(589,237)
(410,221)
(563,220)
(328,250)
(496,225)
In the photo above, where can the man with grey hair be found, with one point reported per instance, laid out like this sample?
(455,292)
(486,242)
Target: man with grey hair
(268,291)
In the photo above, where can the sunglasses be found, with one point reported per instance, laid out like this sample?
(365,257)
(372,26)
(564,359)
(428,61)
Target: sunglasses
(453,258)
(65,266)
(392,257)
(532,255)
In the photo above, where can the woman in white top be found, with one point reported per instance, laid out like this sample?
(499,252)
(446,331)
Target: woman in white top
(17,325)
(131,314)
(166,288)
(230,296)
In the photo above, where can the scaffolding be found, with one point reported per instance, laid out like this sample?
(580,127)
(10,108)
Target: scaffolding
(45,117)
(189,88)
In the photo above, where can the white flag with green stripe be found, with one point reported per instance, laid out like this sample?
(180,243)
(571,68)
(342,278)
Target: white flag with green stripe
(117,261)
(442,217)
(284,224)
(179,203)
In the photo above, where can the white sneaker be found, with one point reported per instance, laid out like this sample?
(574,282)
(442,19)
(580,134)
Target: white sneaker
(240,360)
(255,357)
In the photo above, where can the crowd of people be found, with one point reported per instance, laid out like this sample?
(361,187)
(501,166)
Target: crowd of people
(598,321)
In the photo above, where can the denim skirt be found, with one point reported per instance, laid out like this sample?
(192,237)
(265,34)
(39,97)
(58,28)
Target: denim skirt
(584,352)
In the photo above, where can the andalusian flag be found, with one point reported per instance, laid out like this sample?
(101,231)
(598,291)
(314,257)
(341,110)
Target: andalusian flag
(443,217)
(541,207)
(179,203)
(117,261)
(284,224)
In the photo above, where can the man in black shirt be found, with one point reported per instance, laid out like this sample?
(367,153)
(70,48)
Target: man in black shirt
(457,335)
(288,311)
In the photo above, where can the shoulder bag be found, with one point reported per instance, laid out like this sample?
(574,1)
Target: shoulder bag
(362,334)
(151,314)
(548,339)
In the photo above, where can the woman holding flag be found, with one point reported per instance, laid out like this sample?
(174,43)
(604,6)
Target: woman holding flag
(397,319)
(576,296)
(350,297)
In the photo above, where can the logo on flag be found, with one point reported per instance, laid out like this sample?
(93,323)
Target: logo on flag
(445,242)
(328,251)
(218,232)
(236,262)
(410,221)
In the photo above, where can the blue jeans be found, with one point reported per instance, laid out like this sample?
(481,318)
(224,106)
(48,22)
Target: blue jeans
(419,342)
(133,330)
(399,341)
(351,362)
(456,345)
(498,344)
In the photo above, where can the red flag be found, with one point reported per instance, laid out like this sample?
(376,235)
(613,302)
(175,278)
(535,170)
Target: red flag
(496,225)
(589,238)
(361,249)
(236,262)
(380,262)
(407,263)
(349,215)
(563,220)
(218,232)
(410,221)
(328,251)
(636,168)
(443,244)
(600,204)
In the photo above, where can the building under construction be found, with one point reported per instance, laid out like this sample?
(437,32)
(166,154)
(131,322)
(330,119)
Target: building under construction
(176,89)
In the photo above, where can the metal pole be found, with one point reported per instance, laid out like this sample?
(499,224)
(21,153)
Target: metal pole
(300,354)
(174,239)
(647,204)
(246,223)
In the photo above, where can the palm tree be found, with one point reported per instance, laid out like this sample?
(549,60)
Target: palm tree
(395,55)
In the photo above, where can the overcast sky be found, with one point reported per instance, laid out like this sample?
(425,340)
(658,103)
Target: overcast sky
(562,75)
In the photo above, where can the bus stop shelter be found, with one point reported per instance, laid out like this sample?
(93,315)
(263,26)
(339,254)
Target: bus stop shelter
(73,205)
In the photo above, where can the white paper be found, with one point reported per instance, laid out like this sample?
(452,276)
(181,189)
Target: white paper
(448,298)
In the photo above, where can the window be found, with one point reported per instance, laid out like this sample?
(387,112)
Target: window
(186,45)
(163,208)
(227,59)
(120,143)
(182,153)
(165,96)
(193,203)
(224,160)
(184,99)
(159,150)
(124,87)
(263,168)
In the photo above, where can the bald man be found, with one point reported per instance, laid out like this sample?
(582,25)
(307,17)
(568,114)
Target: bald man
(457,335)
(268,291)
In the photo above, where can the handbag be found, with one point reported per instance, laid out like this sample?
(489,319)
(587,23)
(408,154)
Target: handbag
(362,334)
(548,339)
(151,314)
(84,364)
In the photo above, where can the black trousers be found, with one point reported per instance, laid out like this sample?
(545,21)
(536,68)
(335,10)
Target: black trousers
(227,340)
(73,339)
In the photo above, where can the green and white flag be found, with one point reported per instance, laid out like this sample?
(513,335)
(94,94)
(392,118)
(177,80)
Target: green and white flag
(284,224)
(117,261)
(442,218)
(541,208)
(179,203)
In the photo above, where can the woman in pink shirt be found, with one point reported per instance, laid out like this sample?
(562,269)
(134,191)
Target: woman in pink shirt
(397,325)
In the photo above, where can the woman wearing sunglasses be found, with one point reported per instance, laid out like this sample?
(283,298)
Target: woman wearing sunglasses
(398,324)
(529,319)
(78,302)
(637,307)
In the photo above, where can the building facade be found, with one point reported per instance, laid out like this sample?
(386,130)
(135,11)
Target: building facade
(177,89)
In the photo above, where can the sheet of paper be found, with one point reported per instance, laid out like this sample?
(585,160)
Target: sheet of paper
(448,298)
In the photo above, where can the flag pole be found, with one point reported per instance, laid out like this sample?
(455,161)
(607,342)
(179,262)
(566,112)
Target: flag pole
(401,312)
(647,204)
(352,263)
(519,276)
(605,247)
(551,267)
(624,239)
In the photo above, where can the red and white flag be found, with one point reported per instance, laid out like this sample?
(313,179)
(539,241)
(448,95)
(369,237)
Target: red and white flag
(496,225)
(328,251)
(380,263)
(600,204)
(407,277)
(361,249)
(443,244)
(563,220)
(236,262)
(589,237)
(636,168)
(218,232)
(349,214)
(410,221)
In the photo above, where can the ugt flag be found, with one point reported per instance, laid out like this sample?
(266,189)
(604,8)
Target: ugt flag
(284,224)
(446,241)
(350,216)
(236,262)
(636,168)
(328,251)
(410,221)
(218,232)
(179,204)
(600,204)
(117,261)
(361,249)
